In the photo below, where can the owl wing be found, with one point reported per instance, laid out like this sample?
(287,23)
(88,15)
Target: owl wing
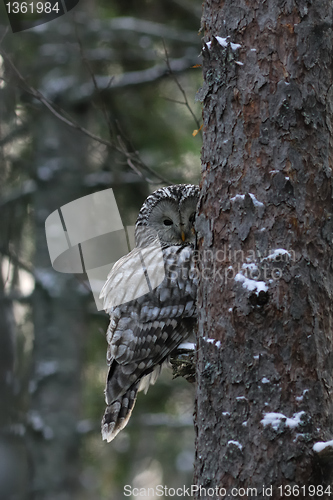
(133,276)
(143,332)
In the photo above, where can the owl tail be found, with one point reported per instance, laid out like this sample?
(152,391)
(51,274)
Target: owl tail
(117,414)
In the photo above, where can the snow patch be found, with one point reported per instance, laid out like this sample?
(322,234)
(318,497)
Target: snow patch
(251,285)
(300,398)
(276,253)
(236,443)
(251,266)
(189,346)
(264,380)
(224,43)
(238,197)
(274,419)
(217,343)
(256,203)
(321,445)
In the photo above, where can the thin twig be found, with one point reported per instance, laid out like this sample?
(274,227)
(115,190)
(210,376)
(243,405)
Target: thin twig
(102,106)
(17,261)
(71,123)
(185,103)
(3,36)
(123,148)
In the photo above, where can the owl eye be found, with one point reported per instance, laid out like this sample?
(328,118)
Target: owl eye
(167,222)
(191,218)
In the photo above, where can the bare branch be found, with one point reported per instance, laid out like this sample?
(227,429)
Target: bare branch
(153,29)
(102,106)
(185,103)
(130,78)
(8,252)
(122,147)
(71,123)
(188,6)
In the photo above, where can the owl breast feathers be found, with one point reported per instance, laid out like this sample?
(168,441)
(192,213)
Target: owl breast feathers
(144,331)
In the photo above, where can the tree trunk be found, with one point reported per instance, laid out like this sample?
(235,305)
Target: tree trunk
(265,229)
(59,323)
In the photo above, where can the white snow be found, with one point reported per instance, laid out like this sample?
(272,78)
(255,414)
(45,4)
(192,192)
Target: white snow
(251,285)
(226,413)
(239,63)
(224,43)
(274,419)
(300,398)
(278,252)
(238,197)
(256,203)
(187,345)
(251,266)
(264,380)
(230,309)
(256,356)
(321,445)
(236,443)
(217,343)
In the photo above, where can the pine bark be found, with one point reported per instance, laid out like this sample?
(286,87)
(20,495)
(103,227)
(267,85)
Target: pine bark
(266,186)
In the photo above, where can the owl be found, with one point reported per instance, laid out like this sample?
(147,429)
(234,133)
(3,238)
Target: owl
(144,331)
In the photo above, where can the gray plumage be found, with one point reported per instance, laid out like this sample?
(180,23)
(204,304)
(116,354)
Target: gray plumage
(144,331)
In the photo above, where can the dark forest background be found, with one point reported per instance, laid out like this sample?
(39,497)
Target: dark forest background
(123,71)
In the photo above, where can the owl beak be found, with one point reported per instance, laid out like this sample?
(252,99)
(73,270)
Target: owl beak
(183,236)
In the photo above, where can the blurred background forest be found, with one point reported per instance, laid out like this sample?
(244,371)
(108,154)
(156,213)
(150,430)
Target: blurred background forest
(104,67)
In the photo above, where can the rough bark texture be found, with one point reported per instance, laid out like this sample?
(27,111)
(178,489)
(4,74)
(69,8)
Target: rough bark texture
(267,132)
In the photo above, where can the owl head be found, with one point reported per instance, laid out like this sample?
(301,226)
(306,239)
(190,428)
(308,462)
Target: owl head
(168,214)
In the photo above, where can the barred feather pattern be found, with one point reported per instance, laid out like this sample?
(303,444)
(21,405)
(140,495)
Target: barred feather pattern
(143,332)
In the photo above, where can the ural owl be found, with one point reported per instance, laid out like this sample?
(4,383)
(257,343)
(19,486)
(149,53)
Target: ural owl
(144,331)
